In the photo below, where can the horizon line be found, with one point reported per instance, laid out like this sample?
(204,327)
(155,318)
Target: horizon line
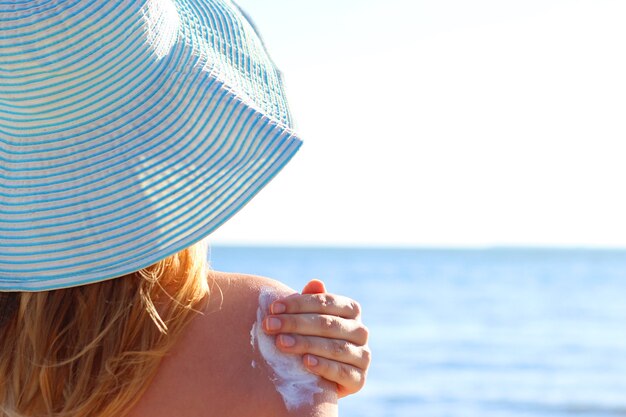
(383,246)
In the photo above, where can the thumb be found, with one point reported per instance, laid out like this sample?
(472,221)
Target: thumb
(315,286)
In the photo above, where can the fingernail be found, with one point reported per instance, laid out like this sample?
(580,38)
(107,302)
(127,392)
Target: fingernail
(272,323)
(311,360)
(278,308)
(286,340)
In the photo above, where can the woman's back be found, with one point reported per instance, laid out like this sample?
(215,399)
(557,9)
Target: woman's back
(210,372)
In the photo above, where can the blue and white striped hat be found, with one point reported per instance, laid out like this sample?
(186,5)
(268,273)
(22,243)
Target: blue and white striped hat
(129,130)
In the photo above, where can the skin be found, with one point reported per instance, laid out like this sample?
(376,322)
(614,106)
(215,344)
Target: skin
(208,372)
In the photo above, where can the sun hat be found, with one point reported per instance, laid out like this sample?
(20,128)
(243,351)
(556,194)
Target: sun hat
(129,130)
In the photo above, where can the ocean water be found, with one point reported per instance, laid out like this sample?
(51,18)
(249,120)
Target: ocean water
(502,332)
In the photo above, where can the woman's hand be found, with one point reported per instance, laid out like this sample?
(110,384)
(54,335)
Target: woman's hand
(327,330)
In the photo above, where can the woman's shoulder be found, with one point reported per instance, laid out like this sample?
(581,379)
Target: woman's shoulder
(233,291)
(216,368)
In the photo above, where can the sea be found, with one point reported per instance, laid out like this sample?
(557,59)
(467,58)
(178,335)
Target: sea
(503,332)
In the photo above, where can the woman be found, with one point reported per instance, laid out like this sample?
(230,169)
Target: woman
(129,131)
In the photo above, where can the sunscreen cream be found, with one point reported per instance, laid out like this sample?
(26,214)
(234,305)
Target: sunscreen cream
(295,384)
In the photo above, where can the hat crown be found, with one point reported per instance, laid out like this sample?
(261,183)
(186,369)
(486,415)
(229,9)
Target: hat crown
(62,59)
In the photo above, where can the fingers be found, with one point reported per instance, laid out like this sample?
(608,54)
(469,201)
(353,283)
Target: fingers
(313,287)
(327,330)
(331,304)
(321,325)
(348,378)
(334,349)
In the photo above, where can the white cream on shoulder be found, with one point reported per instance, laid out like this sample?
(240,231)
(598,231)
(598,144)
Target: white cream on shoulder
(295,384)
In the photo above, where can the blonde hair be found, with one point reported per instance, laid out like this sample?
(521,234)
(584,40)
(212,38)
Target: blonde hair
(92,350)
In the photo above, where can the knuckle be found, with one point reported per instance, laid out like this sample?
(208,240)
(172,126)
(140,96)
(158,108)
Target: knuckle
(322,299)
(355,308)
(344,372)
(360,380)
(363,333)
(339,348)
(328,322)
(331,300)
(367,356)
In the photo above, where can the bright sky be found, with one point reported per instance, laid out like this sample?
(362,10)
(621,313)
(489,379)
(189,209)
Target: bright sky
(447,123)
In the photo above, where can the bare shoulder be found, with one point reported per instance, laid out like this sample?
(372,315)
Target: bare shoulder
(219,367)
(241,291)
